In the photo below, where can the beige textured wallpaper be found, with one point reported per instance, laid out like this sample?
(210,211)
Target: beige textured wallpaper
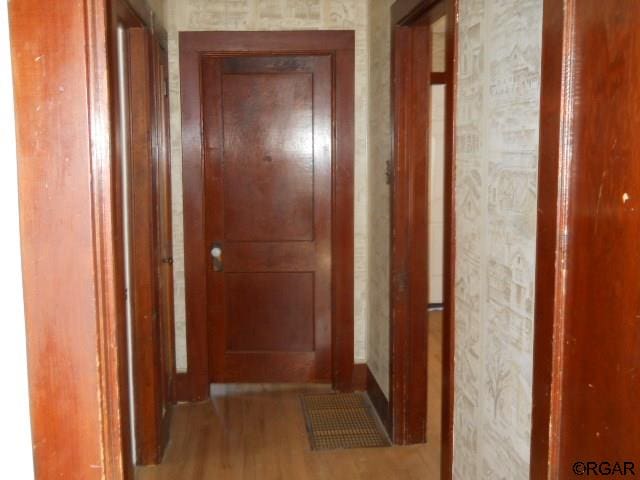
(159,9)
(496,162)
(274,15)
(379,207)
(436,194)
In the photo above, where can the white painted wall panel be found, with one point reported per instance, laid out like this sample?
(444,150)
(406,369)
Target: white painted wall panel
(16,455)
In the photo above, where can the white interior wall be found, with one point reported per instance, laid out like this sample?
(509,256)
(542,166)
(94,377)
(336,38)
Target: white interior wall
(16,455)
(436,194)
(436,165)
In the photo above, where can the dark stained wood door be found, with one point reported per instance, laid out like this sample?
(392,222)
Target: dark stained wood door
(267,125)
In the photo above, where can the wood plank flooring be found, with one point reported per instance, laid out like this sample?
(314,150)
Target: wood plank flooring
(259,433)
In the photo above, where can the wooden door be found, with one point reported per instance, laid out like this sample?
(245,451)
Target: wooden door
(163,212)
(141,170)
(268,142)
(146,338)
(587,350)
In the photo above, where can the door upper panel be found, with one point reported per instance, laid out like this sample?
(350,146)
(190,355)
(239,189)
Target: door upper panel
(268,156)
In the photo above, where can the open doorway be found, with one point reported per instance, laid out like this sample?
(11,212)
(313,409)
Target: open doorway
(422,222)
(436,235)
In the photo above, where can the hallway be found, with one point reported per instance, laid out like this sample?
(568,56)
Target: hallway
(266,195)
(261,435)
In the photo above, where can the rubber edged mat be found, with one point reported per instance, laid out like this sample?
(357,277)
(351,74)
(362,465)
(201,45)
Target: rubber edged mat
(342,420)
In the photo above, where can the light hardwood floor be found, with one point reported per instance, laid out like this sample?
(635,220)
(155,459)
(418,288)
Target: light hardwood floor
(261,434)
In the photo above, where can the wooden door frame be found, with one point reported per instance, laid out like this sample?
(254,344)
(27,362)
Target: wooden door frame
(409,229)
(73,282)
(554,170)
(85,342)
(151,400)
(340,45)
(578,209)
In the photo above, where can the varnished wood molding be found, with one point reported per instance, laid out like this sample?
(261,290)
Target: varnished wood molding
(411,72)
(359,382)
(409,238)
(586,356)
(76,381)
(439,78)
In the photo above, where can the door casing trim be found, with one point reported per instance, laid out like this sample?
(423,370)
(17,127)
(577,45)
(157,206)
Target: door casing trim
(554,171)
(408,345)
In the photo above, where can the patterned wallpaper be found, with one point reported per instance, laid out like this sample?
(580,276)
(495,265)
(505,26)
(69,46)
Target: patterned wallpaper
(379,207)
(158,8)
(496,163)
(274,15)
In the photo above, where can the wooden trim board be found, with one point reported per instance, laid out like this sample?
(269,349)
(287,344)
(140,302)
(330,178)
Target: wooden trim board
(411,72)
(71,289)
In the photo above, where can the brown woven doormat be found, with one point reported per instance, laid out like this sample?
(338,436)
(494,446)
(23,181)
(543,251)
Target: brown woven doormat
(342,420)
